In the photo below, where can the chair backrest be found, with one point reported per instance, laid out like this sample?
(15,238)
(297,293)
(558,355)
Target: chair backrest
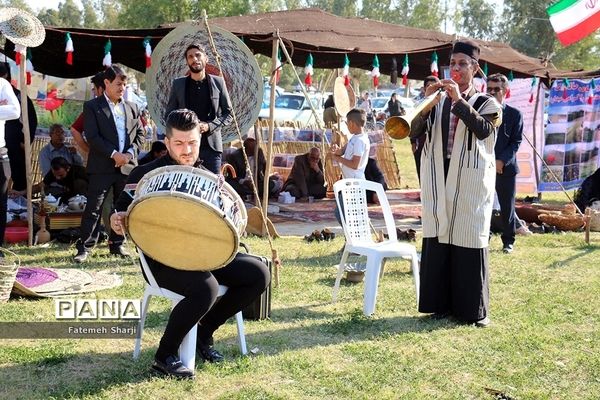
(351,193)
(146,269)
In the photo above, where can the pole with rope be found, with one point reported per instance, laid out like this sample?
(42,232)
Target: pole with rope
(27,143)
(265,199)
(274,256)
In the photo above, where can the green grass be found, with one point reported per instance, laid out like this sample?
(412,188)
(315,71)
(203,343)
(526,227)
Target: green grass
(543,343)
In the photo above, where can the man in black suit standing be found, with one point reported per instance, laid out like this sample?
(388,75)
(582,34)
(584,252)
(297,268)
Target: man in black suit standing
(207,96)
(114,133)
(510,134)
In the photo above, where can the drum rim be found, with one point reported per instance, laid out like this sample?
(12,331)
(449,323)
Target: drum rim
(194,170)
(192,199)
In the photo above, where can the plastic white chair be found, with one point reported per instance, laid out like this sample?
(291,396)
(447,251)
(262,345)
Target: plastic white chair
(359,240)
(187,350)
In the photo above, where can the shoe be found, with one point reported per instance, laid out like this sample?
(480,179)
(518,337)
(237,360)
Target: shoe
(508,249)
(81,256)
(440,315)
(207,352)
(173,367)
(119,251)
(483,323)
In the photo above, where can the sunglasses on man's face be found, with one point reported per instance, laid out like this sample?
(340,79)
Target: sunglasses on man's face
(493,90)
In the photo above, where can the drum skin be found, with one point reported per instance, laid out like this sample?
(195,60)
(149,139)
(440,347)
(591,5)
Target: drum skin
(186,218)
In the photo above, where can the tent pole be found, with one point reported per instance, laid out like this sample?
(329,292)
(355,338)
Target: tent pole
(27,142)
(265,199)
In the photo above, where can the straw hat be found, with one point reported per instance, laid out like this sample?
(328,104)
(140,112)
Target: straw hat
(240,70)
(20,27)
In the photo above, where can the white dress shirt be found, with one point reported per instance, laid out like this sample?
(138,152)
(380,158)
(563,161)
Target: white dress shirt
(118,112)
(9,107)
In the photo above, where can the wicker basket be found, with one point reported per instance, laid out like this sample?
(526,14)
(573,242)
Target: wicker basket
(563,222)
(8,273)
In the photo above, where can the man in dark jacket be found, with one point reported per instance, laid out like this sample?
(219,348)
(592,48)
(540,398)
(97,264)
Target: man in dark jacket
(510,134)
(207,96)
(306,178)
(114,133)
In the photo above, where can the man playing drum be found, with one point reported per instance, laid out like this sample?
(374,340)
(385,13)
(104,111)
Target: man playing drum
(245,276)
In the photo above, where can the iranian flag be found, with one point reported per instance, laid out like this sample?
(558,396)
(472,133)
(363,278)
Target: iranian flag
(573,20)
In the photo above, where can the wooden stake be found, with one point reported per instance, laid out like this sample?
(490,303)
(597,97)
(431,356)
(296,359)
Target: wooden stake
(25,121)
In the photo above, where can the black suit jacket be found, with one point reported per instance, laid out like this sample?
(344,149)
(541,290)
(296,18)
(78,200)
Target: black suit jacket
(101,134)
(220,114)
(509,139)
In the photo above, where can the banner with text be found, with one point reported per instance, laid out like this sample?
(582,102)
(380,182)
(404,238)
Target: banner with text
(572,137)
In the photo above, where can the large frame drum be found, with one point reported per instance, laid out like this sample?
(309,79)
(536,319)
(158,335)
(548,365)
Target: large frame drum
(186,218)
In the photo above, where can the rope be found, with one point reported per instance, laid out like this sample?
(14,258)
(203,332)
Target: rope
(275,257)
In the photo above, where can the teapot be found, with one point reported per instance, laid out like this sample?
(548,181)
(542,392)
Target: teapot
(77,203)
(52,202)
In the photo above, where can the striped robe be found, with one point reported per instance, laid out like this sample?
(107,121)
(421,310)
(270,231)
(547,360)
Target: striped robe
(457,209)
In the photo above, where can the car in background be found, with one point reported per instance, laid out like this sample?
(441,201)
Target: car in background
(295,107)
(379,104)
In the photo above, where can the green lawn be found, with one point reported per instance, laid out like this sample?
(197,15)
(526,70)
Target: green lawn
(544,341)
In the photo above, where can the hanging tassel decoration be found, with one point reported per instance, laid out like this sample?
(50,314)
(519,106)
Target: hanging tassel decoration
(590,99)
(69,48)
(278,67)
(148,52)
(566,85)
(484,78)
(308,70)
(511,78)
(532,89)
(405,69)
(434,64)
(375,71)
(346,71)
(19,50)
(28,66)
(107,60)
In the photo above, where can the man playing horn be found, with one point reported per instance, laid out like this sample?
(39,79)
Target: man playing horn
(246,276)
(207,96)
(458,171)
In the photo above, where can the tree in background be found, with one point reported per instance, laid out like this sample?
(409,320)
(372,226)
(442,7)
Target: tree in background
(476,19)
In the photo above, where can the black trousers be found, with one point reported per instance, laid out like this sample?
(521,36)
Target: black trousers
(246,276)
(317,190)
(211,159)
(4,177)
(506,188)
(99,184)
(454,280)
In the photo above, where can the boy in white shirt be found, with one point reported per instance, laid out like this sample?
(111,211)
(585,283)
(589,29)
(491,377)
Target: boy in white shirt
(353,160)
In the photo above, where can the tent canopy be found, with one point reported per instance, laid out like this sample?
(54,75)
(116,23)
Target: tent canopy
(326,36)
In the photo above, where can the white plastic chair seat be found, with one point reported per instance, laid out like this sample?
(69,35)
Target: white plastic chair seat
(187,349)
(359,240)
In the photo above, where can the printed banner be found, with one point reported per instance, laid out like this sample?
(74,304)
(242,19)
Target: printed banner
(572,137)
(533,131)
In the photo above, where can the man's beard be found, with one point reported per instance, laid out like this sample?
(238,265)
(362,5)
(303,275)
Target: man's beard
(194,69)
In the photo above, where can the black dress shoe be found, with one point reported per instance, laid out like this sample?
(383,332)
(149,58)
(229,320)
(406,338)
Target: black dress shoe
(440,315)
(208,353)
(173,366)
(81,256)
(119,251)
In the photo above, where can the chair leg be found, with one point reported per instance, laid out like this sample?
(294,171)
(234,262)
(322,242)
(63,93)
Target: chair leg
(138,341)
(342,266)
(416,274)
(371,284)
(187,349)
(239,319)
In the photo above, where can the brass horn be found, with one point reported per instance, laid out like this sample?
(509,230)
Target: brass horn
(399,127)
